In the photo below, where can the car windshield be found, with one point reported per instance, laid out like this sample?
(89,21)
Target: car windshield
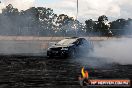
(66,41)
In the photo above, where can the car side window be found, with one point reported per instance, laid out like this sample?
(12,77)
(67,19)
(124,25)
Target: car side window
(76,42)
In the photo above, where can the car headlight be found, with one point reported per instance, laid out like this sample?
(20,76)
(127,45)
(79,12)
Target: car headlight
(48,49)
(64,48)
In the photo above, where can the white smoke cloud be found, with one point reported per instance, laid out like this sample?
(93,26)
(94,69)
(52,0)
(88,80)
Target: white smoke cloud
(20,4)
(94,8)
(87,8)
(118,51)
(2,5)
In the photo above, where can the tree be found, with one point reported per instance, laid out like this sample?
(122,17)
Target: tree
(10,16)
(102,26)
(65,23)
(46,20)
(102,18)
(10,11)
(90,26)
(118,26)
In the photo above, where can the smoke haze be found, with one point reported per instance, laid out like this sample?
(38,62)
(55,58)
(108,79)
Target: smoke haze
(20,4)
(118,51)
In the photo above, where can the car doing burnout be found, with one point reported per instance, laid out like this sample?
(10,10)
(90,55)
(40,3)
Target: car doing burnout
(70,47)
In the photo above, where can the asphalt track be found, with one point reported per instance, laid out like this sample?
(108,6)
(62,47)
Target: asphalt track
(42,72)
(30,69)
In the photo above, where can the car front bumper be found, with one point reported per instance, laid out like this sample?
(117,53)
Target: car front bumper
(61,53)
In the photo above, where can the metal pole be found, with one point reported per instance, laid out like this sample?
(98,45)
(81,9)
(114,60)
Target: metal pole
(77,10)
(76,17)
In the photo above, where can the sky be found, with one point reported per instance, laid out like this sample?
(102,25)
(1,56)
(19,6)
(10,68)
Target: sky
(88,9)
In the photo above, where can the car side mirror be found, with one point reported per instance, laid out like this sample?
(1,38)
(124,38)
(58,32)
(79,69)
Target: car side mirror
(78,43)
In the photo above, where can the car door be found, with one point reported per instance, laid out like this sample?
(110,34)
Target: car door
(80,47)
(84,46)
(87,45)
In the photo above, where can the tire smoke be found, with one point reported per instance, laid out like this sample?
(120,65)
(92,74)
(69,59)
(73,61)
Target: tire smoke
(116,51)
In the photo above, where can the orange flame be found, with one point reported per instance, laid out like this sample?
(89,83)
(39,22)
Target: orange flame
(84,73)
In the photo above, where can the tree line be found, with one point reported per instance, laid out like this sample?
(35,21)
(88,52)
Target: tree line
(41,21)
(102,27)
